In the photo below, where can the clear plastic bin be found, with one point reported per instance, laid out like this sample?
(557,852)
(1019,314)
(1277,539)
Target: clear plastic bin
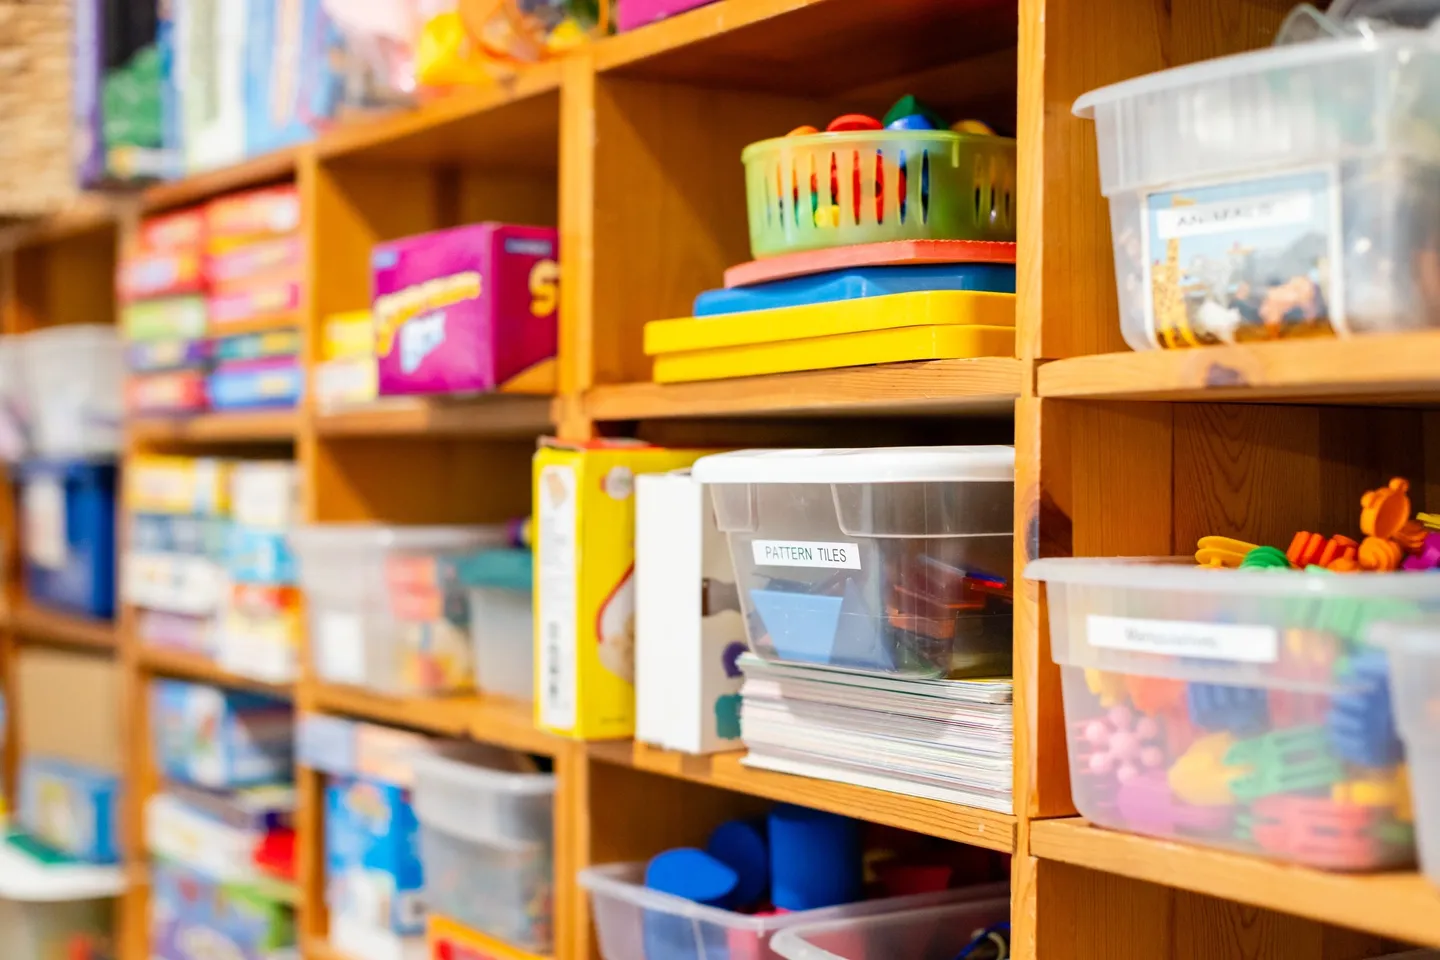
(931,933)
(502,626)
(74,379)
(1287,192)
(1414,651)
(384,607)
(635,921)
(486,838)
(1235,708)
(891,560)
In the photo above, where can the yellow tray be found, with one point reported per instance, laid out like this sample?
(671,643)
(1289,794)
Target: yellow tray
(935,342)
(925,308)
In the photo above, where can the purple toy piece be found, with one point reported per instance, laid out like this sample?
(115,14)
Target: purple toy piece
(1429,556)
(630,14)
(464,310)
(1146,804)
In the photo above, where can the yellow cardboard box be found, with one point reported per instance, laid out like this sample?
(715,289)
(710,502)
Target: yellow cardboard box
(584,503)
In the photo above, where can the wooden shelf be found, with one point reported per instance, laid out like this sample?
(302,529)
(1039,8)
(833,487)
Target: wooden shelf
(189,666)
(1400,905)
(515,123)
(808,47)
(52,627)
(497,415)
(981,828)
(982,386)
(318,948)
(255,172)
(263,426)
(1382,369)
(90,212)
(498,720)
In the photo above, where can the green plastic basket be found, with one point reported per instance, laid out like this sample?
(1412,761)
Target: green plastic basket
(837,189)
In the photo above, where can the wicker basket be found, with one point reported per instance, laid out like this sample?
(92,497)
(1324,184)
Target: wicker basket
(36,166)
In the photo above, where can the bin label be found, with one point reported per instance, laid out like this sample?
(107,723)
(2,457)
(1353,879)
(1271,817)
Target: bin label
(1241,261)
(806,553)
(1243,643)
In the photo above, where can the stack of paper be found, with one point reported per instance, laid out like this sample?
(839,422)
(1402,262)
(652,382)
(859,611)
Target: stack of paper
(947,740)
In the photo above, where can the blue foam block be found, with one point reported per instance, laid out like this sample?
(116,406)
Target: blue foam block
(741,845)
(815,858)
(694,875)
(856,284)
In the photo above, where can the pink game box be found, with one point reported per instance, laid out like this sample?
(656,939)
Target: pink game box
(468,310)
(630,14)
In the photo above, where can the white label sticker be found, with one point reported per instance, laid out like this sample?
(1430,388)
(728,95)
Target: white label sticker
(45,538)
(341,652)
(806,553)
(555,596)
(1243,643)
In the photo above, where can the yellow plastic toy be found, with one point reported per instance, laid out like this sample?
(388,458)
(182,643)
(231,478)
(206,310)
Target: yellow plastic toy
(1221,551)
(1200,775)
(1108,687)
(923,325)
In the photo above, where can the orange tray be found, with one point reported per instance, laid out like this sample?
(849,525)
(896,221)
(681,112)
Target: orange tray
(889,254)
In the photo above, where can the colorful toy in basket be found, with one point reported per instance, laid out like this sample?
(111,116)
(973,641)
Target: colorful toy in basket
(1245,206)
(861,181)
(194,916)
(71,808)
(220,738)
(467,310)
(1237,704)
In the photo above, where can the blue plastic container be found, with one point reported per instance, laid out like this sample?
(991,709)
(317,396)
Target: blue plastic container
(67,510)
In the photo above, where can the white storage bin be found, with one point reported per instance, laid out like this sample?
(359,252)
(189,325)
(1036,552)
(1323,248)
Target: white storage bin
(44,906)
(634,921)
(502,627)
(892,560)
(385,610)
(1235,708)
(73,379)
(930,933)
(1414,651)
(1291,191)
(486,839)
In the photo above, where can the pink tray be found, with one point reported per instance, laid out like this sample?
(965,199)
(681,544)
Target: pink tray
(888,254)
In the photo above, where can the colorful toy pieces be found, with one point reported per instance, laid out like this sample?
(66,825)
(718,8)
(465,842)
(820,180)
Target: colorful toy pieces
(1303,762)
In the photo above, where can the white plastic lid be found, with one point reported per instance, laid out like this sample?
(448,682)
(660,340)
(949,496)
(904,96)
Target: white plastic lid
(1251,62)
(990,464)
(1184,575)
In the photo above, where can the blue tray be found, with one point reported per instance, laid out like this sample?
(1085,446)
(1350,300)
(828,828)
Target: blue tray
(857,284)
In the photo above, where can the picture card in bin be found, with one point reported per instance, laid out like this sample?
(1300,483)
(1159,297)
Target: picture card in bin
(471,309)
(887,560)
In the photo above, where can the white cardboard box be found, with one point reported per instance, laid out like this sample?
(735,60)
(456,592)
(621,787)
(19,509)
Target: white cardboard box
(688,627)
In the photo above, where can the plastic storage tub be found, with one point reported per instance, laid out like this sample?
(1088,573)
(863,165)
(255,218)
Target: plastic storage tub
(838,189)
(1414,651)
(892,560)
(68,514)
(502,626)
(1235,708)
(486,839)
(635,921)
(1291,191)
(385,608)
(929,933)
(73,379)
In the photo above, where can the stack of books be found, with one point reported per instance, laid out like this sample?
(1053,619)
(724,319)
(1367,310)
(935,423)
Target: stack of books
(946,740)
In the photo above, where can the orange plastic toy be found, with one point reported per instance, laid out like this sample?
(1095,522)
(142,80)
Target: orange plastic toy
(1411,536)
(1338,548)
(1380,555)
(1385,510)
(1305,549)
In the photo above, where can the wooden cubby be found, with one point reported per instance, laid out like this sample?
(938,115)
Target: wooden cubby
(631,148)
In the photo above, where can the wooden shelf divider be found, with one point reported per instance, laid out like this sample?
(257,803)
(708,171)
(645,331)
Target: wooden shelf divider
(260,426)
(39,625)
(183,665)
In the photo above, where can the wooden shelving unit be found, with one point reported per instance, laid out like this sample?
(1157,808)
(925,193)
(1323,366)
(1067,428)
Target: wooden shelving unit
(36,624)
(182,665)
(631,148)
